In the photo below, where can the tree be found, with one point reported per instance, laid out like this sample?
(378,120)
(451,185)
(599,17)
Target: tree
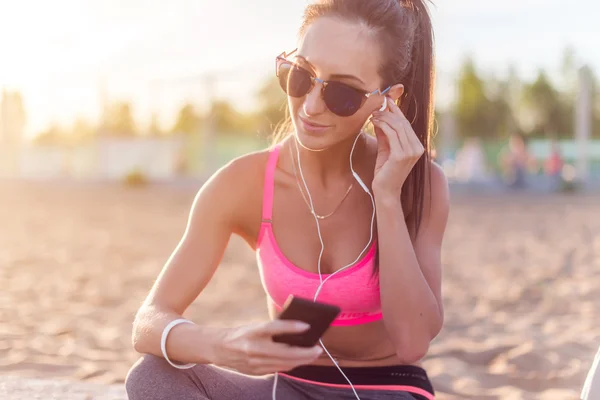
(595,106)
(545,112)
(475,113)
(227,120)
(81,130)
(119,120)
(499,114)
(273,105)
(569,73)
(154,128)
(13,117)
(187,121)
(52,135)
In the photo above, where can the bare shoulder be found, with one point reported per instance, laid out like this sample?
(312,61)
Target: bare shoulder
(235,191)
(243,172)
(437,194)
(438,181)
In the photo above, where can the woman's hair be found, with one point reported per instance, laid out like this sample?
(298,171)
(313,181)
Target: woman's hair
(404,30)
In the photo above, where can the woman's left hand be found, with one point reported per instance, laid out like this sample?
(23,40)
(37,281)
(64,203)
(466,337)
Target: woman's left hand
(398,149)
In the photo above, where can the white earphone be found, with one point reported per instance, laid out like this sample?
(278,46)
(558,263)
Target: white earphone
(322,282)
(384,104)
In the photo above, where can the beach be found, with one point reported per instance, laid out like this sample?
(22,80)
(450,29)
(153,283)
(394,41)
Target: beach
(521,283)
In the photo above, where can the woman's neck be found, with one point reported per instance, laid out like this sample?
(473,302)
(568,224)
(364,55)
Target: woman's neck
(330,167)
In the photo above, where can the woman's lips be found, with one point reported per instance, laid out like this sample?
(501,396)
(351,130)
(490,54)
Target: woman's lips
(312,126)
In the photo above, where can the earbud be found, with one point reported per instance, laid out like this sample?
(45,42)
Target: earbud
(383,107)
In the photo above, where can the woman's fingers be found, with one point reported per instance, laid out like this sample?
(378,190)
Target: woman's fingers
(395,146)
(396,124)
(283,351)
(394,109)
(414,142)
(279,326)
(407,137)
(266,347)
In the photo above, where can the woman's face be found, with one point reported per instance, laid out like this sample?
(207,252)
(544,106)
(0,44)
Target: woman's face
(334,49)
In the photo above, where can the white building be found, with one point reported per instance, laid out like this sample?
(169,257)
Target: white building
(104,158)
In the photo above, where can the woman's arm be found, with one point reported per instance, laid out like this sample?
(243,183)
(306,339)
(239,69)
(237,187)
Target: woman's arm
(214,215)
(410,275)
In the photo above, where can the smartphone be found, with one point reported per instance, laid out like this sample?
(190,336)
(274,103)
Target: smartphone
(318,315)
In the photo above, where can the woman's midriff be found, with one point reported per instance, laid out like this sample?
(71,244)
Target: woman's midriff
(364,345)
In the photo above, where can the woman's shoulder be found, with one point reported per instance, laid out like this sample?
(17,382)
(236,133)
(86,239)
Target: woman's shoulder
(238,184)
(241,184)
(244,170)
(437,178)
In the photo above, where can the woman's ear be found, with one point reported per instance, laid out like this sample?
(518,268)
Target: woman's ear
(396,91)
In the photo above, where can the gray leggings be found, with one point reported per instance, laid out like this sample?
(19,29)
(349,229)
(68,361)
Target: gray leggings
(152,378)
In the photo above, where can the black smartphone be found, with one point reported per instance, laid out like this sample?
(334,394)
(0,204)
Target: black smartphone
(318,315)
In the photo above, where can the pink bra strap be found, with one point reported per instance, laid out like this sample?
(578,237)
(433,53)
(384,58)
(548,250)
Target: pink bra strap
(269,185)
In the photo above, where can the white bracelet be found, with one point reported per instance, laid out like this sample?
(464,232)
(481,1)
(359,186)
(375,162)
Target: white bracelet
(163,342)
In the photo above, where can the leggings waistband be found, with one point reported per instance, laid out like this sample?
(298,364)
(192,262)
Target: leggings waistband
(397,377)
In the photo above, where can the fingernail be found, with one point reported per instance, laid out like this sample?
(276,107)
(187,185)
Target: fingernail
(302,325)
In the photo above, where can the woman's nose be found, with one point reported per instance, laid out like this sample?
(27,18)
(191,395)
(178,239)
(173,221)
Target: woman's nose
(313,102)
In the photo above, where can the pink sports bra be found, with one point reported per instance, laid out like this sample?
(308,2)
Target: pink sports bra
(355,290)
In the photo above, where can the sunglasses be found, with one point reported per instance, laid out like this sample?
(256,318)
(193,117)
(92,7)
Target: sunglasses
(341,99)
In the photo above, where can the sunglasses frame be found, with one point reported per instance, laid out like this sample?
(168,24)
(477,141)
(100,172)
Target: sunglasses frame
(283,57)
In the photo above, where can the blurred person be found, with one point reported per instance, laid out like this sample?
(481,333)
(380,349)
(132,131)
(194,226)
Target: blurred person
(470,162)
(517,162)
(334,215)
(553,166)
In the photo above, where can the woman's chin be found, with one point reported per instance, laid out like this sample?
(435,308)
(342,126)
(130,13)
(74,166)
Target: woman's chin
(314,142)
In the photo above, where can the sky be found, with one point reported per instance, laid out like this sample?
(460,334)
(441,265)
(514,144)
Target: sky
(64,55)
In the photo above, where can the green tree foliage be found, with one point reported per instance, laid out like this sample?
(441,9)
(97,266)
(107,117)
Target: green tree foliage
(495,108)
(480,112)
(154,128)
(546,113)
(227,120)
(119,120)
(187,121)
(54,134)
(82,130)
(595,105)
(272,104)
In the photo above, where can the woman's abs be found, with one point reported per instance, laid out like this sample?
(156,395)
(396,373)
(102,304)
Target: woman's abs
(366,345)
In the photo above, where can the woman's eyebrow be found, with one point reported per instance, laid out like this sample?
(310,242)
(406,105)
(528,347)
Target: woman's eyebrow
(338,76)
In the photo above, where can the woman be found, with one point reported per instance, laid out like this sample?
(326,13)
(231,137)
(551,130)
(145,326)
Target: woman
(308,207)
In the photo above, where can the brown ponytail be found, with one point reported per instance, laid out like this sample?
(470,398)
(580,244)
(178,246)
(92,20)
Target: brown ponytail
(417,104)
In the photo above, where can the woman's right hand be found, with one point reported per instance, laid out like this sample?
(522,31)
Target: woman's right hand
(251,350)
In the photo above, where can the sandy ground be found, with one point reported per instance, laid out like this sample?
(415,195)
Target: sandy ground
(521,284)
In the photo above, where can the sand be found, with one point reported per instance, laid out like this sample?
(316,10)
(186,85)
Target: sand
(521,284)
(15,388)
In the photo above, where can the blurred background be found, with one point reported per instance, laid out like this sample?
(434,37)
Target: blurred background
(113,113)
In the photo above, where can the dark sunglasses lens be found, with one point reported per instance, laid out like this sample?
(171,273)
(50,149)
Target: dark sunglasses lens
(342,100)
(295,81)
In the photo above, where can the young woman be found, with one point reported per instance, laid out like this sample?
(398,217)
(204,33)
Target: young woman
(334,215)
